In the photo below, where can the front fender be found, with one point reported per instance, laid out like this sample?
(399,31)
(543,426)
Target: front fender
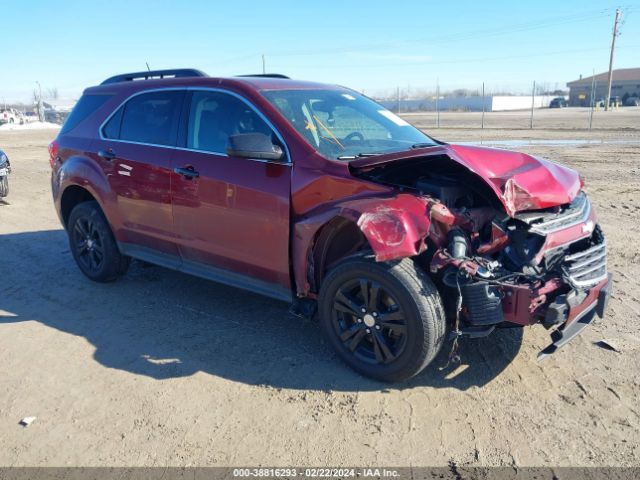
(395,227)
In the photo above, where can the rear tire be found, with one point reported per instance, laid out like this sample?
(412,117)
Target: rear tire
(93,245)
(385,320)
(4,187)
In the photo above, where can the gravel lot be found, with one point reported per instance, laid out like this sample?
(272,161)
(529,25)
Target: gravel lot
(161,368)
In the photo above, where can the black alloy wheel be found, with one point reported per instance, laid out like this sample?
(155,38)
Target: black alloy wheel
(369,321)
(89,244)
(93,245)
(384,319)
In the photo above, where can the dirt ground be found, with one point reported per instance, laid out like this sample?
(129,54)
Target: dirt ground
(162,369)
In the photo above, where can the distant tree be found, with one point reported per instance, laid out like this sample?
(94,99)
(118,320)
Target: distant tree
(461,92)
(52,93)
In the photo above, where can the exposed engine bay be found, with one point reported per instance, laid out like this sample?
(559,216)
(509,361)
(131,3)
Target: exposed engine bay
(494,268)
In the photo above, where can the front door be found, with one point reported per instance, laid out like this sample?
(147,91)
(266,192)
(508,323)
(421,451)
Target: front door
(231,214)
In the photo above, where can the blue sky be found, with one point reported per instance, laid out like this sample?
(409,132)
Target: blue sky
(367,45)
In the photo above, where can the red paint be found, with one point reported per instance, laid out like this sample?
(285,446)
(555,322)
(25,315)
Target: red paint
(591,298)
(499,240)
(520,181)
(234,216)
(395,227)
(54,148)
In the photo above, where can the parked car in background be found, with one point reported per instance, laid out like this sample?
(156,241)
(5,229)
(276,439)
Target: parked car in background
(55,116)
(559,102)
(632,102)
(316,195)
(11,115)
(5,170)
(615,101)
(30,116)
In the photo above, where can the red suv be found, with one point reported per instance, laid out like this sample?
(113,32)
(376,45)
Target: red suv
(316,195)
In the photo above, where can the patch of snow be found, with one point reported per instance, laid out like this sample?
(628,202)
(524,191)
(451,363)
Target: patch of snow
(30,126)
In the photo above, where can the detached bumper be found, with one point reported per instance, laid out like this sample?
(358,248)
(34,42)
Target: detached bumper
(580,316)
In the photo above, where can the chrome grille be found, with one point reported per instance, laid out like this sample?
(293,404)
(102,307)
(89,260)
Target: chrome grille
(586,268)
(547,222)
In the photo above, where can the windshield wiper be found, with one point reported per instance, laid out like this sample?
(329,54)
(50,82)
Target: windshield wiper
(422,145)
(358,155)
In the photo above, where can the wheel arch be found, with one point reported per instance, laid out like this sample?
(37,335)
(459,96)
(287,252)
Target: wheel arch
(340,237)
(76,180)
(391,228)
(72,196)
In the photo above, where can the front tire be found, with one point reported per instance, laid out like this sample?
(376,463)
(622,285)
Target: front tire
(92,244)
(385,320)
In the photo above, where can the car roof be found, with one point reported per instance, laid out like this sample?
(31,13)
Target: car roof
(257,83)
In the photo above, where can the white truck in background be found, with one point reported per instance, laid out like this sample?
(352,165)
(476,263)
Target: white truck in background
(11,115)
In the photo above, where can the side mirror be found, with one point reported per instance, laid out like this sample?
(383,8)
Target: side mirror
(254,145)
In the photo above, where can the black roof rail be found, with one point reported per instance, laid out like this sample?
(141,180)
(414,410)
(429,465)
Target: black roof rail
(266,75)
(155,74)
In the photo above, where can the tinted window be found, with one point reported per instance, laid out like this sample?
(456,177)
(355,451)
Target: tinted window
(214,116)
(152,118)
(112,128)
(85,107)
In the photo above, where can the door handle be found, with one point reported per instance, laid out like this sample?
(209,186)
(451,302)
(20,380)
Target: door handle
(187,172)
(107,154)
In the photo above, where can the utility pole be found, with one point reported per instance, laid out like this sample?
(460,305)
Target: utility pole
(482,121)
(592,98)
(264,67)
(398,94)
(40,109)
(437,103)
(533,102)
(613,46)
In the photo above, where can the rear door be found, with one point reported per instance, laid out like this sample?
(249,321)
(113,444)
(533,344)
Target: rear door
(231,215)
(135,150)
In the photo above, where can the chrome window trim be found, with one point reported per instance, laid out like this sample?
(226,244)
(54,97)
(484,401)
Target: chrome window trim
(175,147)
(115,110)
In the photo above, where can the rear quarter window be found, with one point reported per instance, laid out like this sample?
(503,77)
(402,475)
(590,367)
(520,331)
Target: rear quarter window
(85,107)
(112,128)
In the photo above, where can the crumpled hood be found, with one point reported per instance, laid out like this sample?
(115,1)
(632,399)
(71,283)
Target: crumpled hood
(521,181)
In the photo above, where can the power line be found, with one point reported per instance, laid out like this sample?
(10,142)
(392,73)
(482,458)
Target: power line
(435,40)
(463,60)
(457,37)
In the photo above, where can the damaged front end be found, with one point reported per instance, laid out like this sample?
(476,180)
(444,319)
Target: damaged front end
(497,257)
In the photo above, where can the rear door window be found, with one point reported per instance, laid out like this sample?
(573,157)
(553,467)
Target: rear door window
(151,118)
